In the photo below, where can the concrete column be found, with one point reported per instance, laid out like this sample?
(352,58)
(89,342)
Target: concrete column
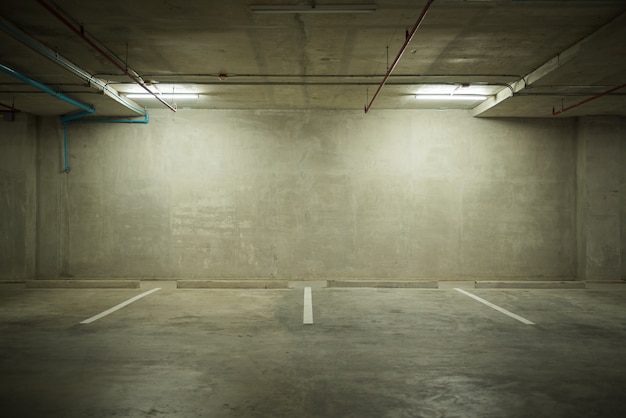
(598,198)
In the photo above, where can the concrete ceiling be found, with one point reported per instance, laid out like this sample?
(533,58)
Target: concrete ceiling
(528,57)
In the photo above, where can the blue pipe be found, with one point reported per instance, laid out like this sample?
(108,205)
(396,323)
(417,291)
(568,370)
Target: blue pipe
(68,118)
(86,109)
(66,164)
(146,119)
(47,89)
(68,65)
(73,117)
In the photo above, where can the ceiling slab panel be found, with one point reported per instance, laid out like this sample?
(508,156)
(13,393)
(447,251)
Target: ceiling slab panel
(234,58)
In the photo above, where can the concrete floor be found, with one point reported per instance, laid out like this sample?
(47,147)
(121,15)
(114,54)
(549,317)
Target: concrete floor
(370,353)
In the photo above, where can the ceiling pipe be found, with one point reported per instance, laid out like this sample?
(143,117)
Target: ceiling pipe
(86,109)
(8,115)
(367,76)
(597,96)
(12,109)
(315,83)
(92,81)
(77,119)
(80,31)
(408,39)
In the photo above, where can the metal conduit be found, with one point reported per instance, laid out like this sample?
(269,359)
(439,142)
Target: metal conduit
(597,96)
(409,37)
(11,108)
(69,120)
(86,110)
(68,65)
(80,31)
(145,120)
(84,107)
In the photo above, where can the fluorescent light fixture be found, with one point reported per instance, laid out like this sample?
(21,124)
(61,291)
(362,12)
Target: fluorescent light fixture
(325,8)
(181,96)
(453,97)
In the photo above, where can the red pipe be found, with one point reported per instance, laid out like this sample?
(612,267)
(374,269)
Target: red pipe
(597,96)
(409,37)
(81,32)
(11,108)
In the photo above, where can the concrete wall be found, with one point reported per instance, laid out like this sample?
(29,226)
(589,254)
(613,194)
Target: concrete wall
(600,204)
(306,194)
(622,165)
(17,197)
(53,223)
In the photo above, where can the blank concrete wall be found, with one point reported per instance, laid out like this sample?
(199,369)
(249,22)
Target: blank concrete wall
(53,223)
(600,203)
(623,195)
(17,197)
(312,194)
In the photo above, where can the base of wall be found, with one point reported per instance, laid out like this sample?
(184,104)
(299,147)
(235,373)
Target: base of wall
(82,284)
(408,284)
(529,285)
(232,284)
(294,284)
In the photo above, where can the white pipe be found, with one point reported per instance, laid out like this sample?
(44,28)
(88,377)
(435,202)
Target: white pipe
(92,81)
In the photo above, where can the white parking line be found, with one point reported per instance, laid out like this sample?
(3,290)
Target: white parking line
(307,317)
(496,307)
(120,306)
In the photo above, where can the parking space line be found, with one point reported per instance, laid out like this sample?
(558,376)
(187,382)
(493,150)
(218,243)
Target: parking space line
(307,317)
(120,306)
(496,307)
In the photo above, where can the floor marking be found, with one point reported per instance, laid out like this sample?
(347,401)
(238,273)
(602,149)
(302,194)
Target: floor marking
(120,306)
(496,307)
(307,317)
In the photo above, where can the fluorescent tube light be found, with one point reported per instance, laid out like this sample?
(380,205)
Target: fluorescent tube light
(454,97)
(325,8)
(181,96)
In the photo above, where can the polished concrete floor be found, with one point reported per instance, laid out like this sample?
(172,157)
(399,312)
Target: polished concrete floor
(369,353)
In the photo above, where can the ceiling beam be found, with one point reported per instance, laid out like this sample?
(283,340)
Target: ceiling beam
(551,65)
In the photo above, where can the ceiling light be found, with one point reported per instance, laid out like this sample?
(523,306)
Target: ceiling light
(181,96)
(454,97)
(326,8)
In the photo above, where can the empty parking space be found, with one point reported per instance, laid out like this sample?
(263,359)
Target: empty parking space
(368,353)
(56,307)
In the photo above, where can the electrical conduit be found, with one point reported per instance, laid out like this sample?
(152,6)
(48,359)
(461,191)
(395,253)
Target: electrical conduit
(80,31)
(86,110)
(76,118)
(409,37)
(597,96)
(92,81)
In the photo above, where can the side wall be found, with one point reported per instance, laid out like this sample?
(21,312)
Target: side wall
(623,196)
(308,194)
(600,198)
(18,153)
